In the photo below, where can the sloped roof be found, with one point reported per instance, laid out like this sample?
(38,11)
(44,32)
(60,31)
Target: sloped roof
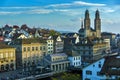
(111,65)
(4,46)
(29,41)
(72,53)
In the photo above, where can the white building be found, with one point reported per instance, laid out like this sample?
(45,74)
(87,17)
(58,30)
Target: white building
(50,45)
(74,58)
(57,62)
(92,71)
(107,68)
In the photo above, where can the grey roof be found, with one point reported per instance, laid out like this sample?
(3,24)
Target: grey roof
(58,54)
(111,65)
(73,53)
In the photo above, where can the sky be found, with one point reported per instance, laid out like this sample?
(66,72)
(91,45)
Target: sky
(61,15)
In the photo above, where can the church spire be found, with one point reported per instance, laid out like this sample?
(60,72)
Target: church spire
(97,23)
(82,24)
(87,23)
(97,15)
(87,20)
(87,14)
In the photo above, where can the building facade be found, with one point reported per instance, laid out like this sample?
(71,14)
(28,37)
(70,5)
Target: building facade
(29,51)
(91,49)
(75,59)
(57,62)
(92,71)
(50,43)
(7,58)
(58,44)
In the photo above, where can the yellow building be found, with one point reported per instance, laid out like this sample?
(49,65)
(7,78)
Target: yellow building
(7,58)
(30,51)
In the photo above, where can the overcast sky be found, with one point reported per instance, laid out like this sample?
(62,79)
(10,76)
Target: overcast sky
(62,15)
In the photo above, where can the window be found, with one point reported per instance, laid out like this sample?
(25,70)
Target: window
(87,79)
(6,55)
(36,48)
(32,48)
(89,47)
(74,58)
(88,72)
(89,52)
(28,48)
(1,55)
(40,47)
(48,44)
(44,48)
(99,65)
(24,49)
(98,73)
(11,55)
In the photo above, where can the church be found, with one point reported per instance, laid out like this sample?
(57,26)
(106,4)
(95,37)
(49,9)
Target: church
(86,30)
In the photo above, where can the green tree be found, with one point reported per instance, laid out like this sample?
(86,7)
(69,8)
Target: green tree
(68,76)
(53,32)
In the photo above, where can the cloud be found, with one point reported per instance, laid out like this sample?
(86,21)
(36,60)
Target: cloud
(40,11)
(75,3)
(33,7)
(81,3)
(9,13)
(21,11)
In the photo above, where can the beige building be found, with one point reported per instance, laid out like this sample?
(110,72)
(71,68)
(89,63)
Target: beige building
(57,62)
(7,58)
(30,51)
(86,30)
(111,36)
(92,49)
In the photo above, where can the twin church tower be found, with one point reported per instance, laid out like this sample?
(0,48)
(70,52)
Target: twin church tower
(86,30)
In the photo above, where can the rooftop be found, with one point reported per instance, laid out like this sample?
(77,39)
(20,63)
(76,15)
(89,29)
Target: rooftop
(111,65)
(60,54)
(4,46)
(29,41)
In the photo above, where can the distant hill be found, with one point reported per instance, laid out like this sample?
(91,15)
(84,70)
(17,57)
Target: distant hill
(65,31)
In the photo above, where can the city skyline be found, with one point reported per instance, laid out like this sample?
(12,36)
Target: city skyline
(61,15)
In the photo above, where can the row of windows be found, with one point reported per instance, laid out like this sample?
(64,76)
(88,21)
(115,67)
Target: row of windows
(6,61)
(50,51)
(34,48)
(6,55)
(60,58)
(88,72)
(76,63)
(50,47)
(86,52)
(50,41)
(76,58)
(99,65)
(50,44)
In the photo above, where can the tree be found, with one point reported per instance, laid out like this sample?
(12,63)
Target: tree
(68,76)
(53,32)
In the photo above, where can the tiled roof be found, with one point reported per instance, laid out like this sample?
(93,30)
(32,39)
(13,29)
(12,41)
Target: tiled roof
(72,53)
(29,41)
(4,46)
(111,66)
